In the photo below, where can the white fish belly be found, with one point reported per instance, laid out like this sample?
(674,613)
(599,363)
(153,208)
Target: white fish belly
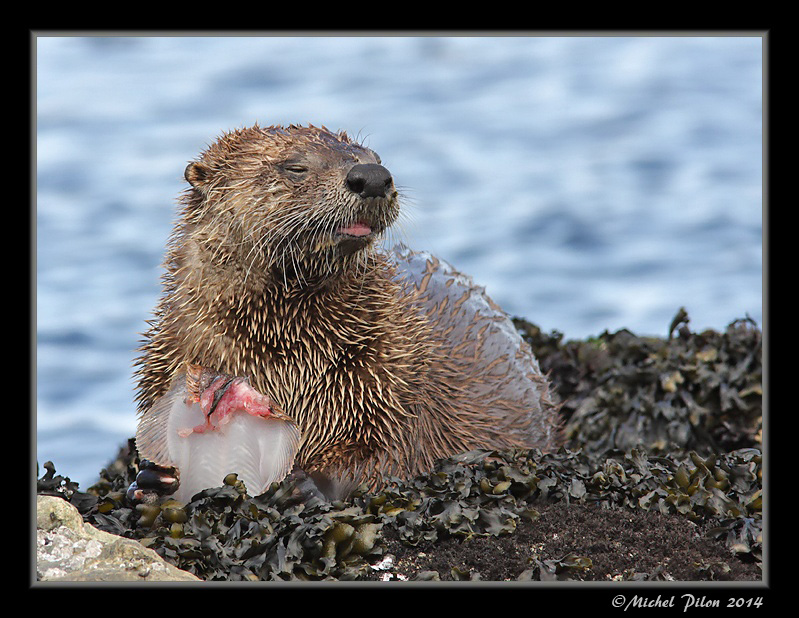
(251,446)
(259,450)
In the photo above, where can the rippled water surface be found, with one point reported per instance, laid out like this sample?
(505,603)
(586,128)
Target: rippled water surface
(589,183)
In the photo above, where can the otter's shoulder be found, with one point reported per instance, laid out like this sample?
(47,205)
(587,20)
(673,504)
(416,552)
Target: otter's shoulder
(452,298)
(496,366)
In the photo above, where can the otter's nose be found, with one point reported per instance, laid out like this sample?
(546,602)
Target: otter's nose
(369,180)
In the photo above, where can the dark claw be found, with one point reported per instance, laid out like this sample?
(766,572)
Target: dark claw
(313,487)
(304,488)
(219,394)
(153,481)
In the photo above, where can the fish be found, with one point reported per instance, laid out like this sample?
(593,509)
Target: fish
(208,425)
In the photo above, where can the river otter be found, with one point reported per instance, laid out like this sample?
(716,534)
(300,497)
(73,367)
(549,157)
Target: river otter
(385,360)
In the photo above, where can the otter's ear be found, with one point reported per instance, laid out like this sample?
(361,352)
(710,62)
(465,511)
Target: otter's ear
(197,174)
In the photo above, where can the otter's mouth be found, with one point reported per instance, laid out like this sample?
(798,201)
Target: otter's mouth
(356,236)
(359,229)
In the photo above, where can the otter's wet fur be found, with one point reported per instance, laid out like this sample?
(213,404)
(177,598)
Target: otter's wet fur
(262,282)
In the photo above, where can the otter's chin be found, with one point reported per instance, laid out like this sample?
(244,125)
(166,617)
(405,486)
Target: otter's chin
(348,246)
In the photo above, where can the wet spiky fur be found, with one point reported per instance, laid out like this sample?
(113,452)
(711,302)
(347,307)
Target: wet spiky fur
(258,284)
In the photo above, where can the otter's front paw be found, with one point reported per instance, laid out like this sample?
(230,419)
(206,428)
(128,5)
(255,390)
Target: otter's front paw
(153,482)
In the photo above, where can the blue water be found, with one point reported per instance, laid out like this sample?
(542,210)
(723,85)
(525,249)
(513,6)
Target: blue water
(589,183)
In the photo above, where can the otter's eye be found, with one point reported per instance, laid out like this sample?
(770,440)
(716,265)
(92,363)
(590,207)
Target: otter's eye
(295,168)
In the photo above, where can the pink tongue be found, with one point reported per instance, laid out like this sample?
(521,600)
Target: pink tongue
(356,229)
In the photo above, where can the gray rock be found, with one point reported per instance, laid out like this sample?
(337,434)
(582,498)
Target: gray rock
(67,549)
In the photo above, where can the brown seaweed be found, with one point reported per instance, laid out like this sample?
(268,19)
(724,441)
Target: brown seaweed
(666,426)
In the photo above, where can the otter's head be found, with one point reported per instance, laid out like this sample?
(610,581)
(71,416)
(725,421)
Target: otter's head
(301,203)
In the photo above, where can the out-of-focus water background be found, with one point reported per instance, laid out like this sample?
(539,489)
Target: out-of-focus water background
(589,183)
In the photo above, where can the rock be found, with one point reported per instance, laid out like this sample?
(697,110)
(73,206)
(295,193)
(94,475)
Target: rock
(69,550)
